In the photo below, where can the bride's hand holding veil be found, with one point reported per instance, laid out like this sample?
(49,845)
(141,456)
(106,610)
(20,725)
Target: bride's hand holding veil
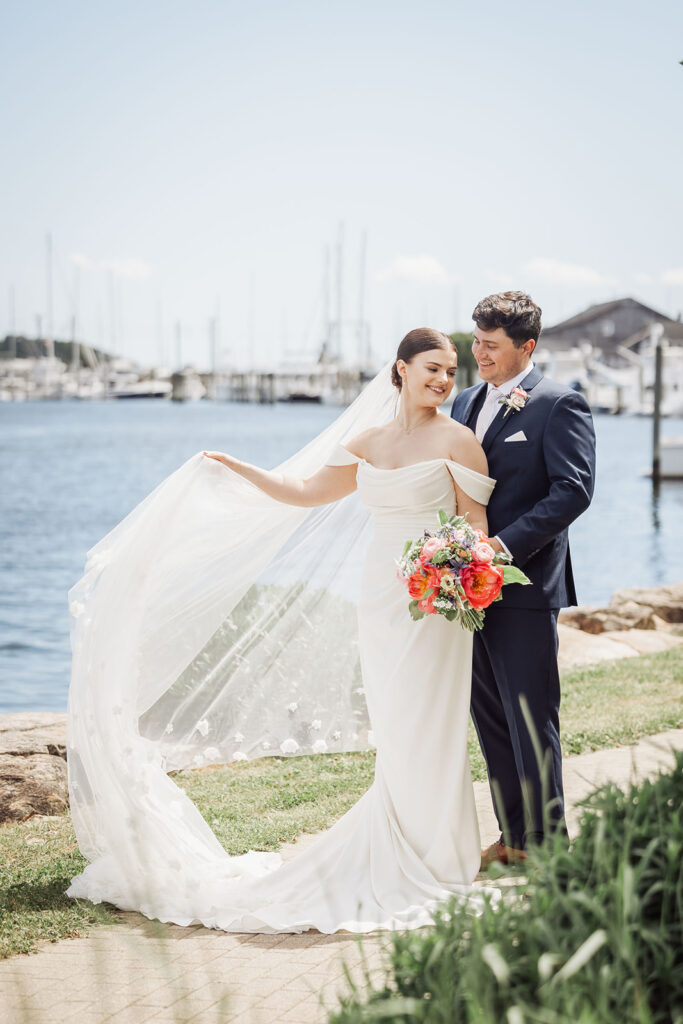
(329,484)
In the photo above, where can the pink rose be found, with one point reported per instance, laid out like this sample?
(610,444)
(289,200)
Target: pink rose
(430,548)
(482,552)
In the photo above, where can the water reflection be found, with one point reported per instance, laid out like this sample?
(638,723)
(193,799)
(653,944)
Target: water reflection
(655,495)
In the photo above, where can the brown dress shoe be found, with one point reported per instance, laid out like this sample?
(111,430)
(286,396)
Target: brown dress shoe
(498,851)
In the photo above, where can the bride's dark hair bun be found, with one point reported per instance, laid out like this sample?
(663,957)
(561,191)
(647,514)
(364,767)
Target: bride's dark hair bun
(422,339)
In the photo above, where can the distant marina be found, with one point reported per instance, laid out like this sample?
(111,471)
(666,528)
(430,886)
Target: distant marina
(103,377)
(607,352)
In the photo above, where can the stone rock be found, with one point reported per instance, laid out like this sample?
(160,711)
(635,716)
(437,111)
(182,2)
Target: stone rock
(665,602)
(32,784)
(643,641)
(578,648)
(575,616)
(604,620)
(33,777)
(642,608)
(36,733)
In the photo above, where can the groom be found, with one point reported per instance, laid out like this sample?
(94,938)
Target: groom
(540,446)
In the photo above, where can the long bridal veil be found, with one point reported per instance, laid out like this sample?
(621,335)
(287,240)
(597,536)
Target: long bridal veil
(213,624)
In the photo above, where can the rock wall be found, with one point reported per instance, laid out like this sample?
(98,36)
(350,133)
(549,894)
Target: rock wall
(638,608)
(33,777)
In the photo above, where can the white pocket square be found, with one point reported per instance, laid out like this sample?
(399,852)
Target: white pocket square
(519,436)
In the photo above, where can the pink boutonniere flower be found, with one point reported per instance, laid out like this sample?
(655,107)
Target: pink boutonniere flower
(515,401)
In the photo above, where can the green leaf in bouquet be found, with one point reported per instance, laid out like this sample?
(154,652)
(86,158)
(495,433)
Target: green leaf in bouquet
(441,556)
(511,574)
(415,612)
(444,518)
(406,548)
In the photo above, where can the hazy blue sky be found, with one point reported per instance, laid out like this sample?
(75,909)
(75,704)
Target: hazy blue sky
(185,155)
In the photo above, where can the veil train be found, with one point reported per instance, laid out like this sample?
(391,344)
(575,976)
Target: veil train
(213,624)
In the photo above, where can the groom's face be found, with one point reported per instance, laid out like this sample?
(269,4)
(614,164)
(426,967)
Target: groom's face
(497,356)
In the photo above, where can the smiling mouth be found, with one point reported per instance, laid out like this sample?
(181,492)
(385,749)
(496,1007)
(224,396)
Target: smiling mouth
(438,391)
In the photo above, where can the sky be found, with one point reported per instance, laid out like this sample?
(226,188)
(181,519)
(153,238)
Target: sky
(207,161)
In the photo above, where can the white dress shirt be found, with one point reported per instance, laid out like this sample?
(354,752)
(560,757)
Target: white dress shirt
(492,400)
(489,410)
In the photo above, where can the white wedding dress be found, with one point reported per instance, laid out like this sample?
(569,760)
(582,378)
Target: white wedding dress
(412,840)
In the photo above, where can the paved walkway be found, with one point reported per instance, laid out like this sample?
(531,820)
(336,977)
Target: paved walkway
(141,971)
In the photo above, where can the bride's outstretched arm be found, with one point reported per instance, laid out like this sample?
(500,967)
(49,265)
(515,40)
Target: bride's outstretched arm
(327,485)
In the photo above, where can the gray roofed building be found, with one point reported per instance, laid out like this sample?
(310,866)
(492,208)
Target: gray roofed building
(606,327)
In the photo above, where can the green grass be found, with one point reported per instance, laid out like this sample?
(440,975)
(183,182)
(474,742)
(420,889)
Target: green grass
(38,858)
(596,937)
(618,702)
(260,804)
(613,704)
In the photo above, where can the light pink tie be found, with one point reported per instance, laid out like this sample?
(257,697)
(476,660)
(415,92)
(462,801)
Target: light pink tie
(488,411)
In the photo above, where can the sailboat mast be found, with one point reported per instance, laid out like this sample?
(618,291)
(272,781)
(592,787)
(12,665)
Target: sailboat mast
(340,299)
(363,355)
(12,324)
(49,339)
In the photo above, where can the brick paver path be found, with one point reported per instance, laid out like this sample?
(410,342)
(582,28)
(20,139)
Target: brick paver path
(140,970)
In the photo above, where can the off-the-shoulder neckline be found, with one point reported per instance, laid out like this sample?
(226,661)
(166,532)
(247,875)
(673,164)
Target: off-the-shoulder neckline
(409,465)
(412,465)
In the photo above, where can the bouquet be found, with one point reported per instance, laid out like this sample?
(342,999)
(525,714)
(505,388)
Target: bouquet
(455,572)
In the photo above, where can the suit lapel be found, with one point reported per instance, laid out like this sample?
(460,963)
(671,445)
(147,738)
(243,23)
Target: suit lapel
(474,404)
(532,379)
(498,421)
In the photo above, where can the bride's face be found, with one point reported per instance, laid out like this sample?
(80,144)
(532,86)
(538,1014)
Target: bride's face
(429,376)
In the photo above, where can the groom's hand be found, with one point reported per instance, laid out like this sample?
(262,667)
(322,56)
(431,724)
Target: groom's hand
(496,545)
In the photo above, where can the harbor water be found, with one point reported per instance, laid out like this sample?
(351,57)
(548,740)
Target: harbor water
(69,471)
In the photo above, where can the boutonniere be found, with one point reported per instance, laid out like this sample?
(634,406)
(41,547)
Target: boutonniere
(515,401)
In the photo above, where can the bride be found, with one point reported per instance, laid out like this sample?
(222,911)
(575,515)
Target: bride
(217,623)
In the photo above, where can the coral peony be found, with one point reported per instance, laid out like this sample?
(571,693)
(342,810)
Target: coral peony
(482,583)
(417,584)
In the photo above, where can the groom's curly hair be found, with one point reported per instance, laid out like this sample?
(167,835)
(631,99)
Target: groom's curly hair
(515,312)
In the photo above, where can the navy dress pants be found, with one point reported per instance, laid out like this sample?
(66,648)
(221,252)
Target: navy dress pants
(516,654)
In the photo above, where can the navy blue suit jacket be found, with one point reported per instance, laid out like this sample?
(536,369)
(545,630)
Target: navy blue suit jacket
(543,483)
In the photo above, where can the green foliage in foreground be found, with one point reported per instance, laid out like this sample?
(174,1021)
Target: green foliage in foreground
(596,937)
(259,804)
